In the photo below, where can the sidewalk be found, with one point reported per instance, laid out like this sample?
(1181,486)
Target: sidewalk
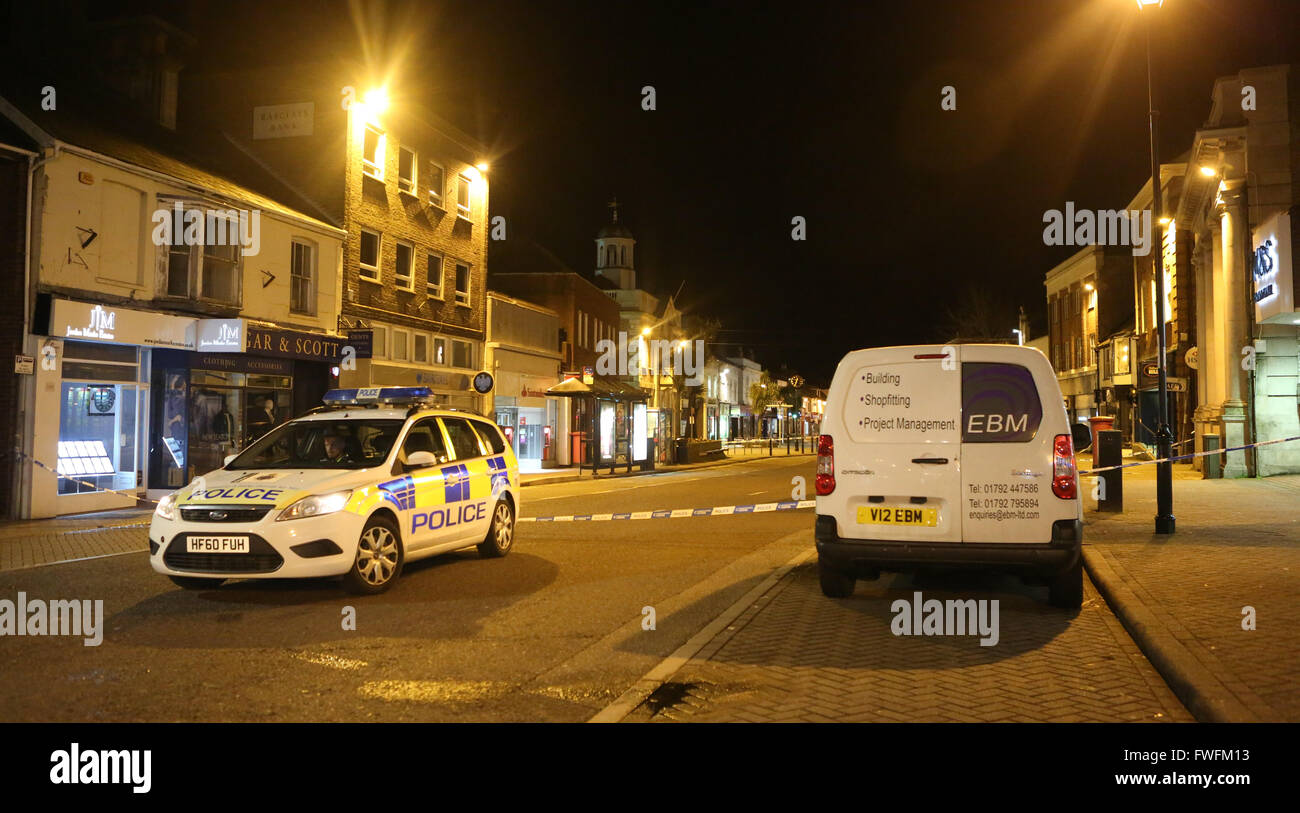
(1182,596)
(571,475)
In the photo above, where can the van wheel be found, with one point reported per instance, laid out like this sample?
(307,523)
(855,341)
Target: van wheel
(379,558)
(195,582)
(1066,589)
(835,583)
(501,533)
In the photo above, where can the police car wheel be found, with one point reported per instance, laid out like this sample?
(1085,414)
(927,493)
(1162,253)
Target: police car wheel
(1066,589)
(501,533)
(195,582)
(379,558)
(835,583)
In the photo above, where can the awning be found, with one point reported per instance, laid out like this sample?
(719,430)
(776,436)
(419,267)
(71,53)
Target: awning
(613,389)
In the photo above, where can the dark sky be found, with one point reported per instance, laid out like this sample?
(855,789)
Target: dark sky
(826,111)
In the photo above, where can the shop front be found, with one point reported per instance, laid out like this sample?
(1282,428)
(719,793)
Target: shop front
(528,417)
(245,379)
(91,420)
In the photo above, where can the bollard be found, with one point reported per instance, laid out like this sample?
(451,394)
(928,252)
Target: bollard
(1110,452)
(1213,462)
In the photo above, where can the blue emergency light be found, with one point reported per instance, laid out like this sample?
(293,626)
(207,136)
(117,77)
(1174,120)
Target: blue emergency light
(377,395)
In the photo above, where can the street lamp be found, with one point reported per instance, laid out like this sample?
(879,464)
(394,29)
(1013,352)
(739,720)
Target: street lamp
(1164,438)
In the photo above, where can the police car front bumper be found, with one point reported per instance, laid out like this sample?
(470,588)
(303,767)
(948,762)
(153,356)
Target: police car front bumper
(311,547)
(850,556)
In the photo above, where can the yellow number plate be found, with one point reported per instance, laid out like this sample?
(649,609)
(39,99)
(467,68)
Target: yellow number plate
(897,515)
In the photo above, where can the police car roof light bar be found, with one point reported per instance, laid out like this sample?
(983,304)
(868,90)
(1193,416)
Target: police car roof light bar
(375,396)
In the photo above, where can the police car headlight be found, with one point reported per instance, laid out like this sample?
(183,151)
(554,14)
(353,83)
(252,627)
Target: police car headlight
(167,507)
(316,505)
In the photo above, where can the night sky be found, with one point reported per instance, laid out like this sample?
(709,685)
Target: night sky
(829,112)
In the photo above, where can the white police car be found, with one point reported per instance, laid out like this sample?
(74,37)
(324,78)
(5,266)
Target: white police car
(373,479)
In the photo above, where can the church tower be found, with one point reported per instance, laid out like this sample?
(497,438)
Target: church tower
(614,245)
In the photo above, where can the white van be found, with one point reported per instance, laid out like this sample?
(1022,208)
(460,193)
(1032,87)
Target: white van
(954,455)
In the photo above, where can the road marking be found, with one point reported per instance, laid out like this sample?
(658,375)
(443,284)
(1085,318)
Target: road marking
(430,691)
(679,513)
(752,493)
(332,661)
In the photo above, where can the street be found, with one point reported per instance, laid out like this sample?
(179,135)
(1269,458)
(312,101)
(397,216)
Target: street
(554,631)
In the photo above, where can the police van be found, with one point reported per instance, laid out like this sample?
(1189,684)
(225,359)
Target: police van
(956,455)
(358,487)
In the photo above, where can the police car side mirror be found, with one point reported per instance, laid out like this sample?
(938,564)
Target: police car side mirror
(420,460)
(228,458)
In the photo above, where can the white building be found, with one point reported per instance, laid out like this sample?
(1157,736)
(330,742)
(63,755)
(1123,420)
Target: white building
(523,355)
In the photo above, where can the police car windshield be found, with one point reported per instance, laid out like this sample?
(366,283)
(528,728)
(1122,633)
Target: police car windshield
(331,444)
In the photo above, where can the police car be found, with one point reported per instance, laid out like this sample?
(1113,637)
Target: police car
(371,480)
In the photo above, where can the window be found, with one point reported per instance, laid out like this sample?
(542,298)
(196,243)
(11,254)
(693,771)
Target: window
(491,436)
(462,354)
(372,153)
(379,344)
(464,441)
(433,285)
(440,352)
(406,170)
(999,403)
(211,268)
(401,340)
(302,278)
(437,185)
(462,196)
(370,241)
(425,436)
(462,284)
(405,273)
(420,348)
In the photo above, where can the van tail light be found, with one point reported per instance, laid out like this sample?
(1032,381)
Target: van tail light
(825,465)
(1065,477)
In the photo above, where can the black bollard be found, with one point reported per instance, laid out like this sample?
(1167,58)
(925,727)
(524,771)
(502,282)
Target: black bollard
(1110,452)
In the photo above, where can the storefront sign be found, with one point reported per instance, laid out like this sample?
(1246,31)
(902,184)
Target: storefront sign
(293,344)
(221,335)
(85,321)
(483,383)
(284,120)
(362,341)
(1272,280)
(236,363)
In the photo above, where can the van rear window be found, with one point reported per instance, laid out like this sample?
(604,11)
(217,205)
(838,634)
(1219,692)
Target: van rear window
(999,403)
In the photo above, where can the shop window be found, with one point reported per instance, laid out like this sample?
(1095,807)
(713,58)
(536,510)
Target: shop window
(440,352)
(462,354)
(302,278)
(400,345)
(97,444)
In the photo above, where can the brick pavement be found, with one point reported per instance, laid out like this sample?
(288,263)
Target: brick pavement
(795,655)
(1237,544)
(28,543)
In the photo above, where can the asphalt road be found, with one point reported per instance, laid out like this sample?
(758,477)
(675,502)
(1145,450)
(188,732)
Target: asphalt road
(552,632)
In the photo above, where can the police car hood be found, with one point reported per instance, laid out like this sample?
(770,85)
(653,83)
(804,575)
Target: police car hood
(272,487)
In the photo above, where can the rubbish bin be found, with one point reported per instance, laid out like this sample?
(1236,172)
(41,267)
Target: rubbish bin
(1213,462)
(1099,423)
(683,450)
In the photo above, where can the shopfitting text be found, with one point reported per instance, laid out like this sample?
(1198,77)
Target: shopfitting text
(645,356)
(210,227)
(1104,227)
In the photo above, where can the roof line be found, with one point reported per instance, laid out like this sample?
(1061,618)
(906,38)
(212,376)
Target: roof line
(268,169)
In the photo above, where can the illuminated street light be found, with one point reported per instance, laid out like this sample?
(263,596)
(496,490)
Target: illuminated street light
(376,100)
(1209,172)
(482,166)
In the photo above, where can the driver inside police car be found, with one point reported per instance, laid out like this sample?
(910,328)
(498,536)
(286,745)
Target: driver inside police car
(336,447)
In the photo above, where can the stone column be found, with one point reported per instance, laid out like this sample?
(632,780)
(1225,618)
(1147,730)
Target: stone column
(1232,221)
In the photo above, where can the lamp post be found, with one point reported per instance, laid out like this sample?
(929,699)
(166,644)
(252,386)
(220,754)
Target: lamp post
(1164,438)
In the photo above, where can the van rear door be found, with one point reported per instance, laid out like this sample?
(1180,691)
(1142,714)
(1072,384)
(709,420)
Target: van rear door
(1007,432)
(898,468)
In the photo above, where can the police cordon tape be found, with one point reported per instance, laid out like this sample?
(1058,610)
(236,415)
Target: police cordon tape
(95,489)
(678,513)
(1190,456)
